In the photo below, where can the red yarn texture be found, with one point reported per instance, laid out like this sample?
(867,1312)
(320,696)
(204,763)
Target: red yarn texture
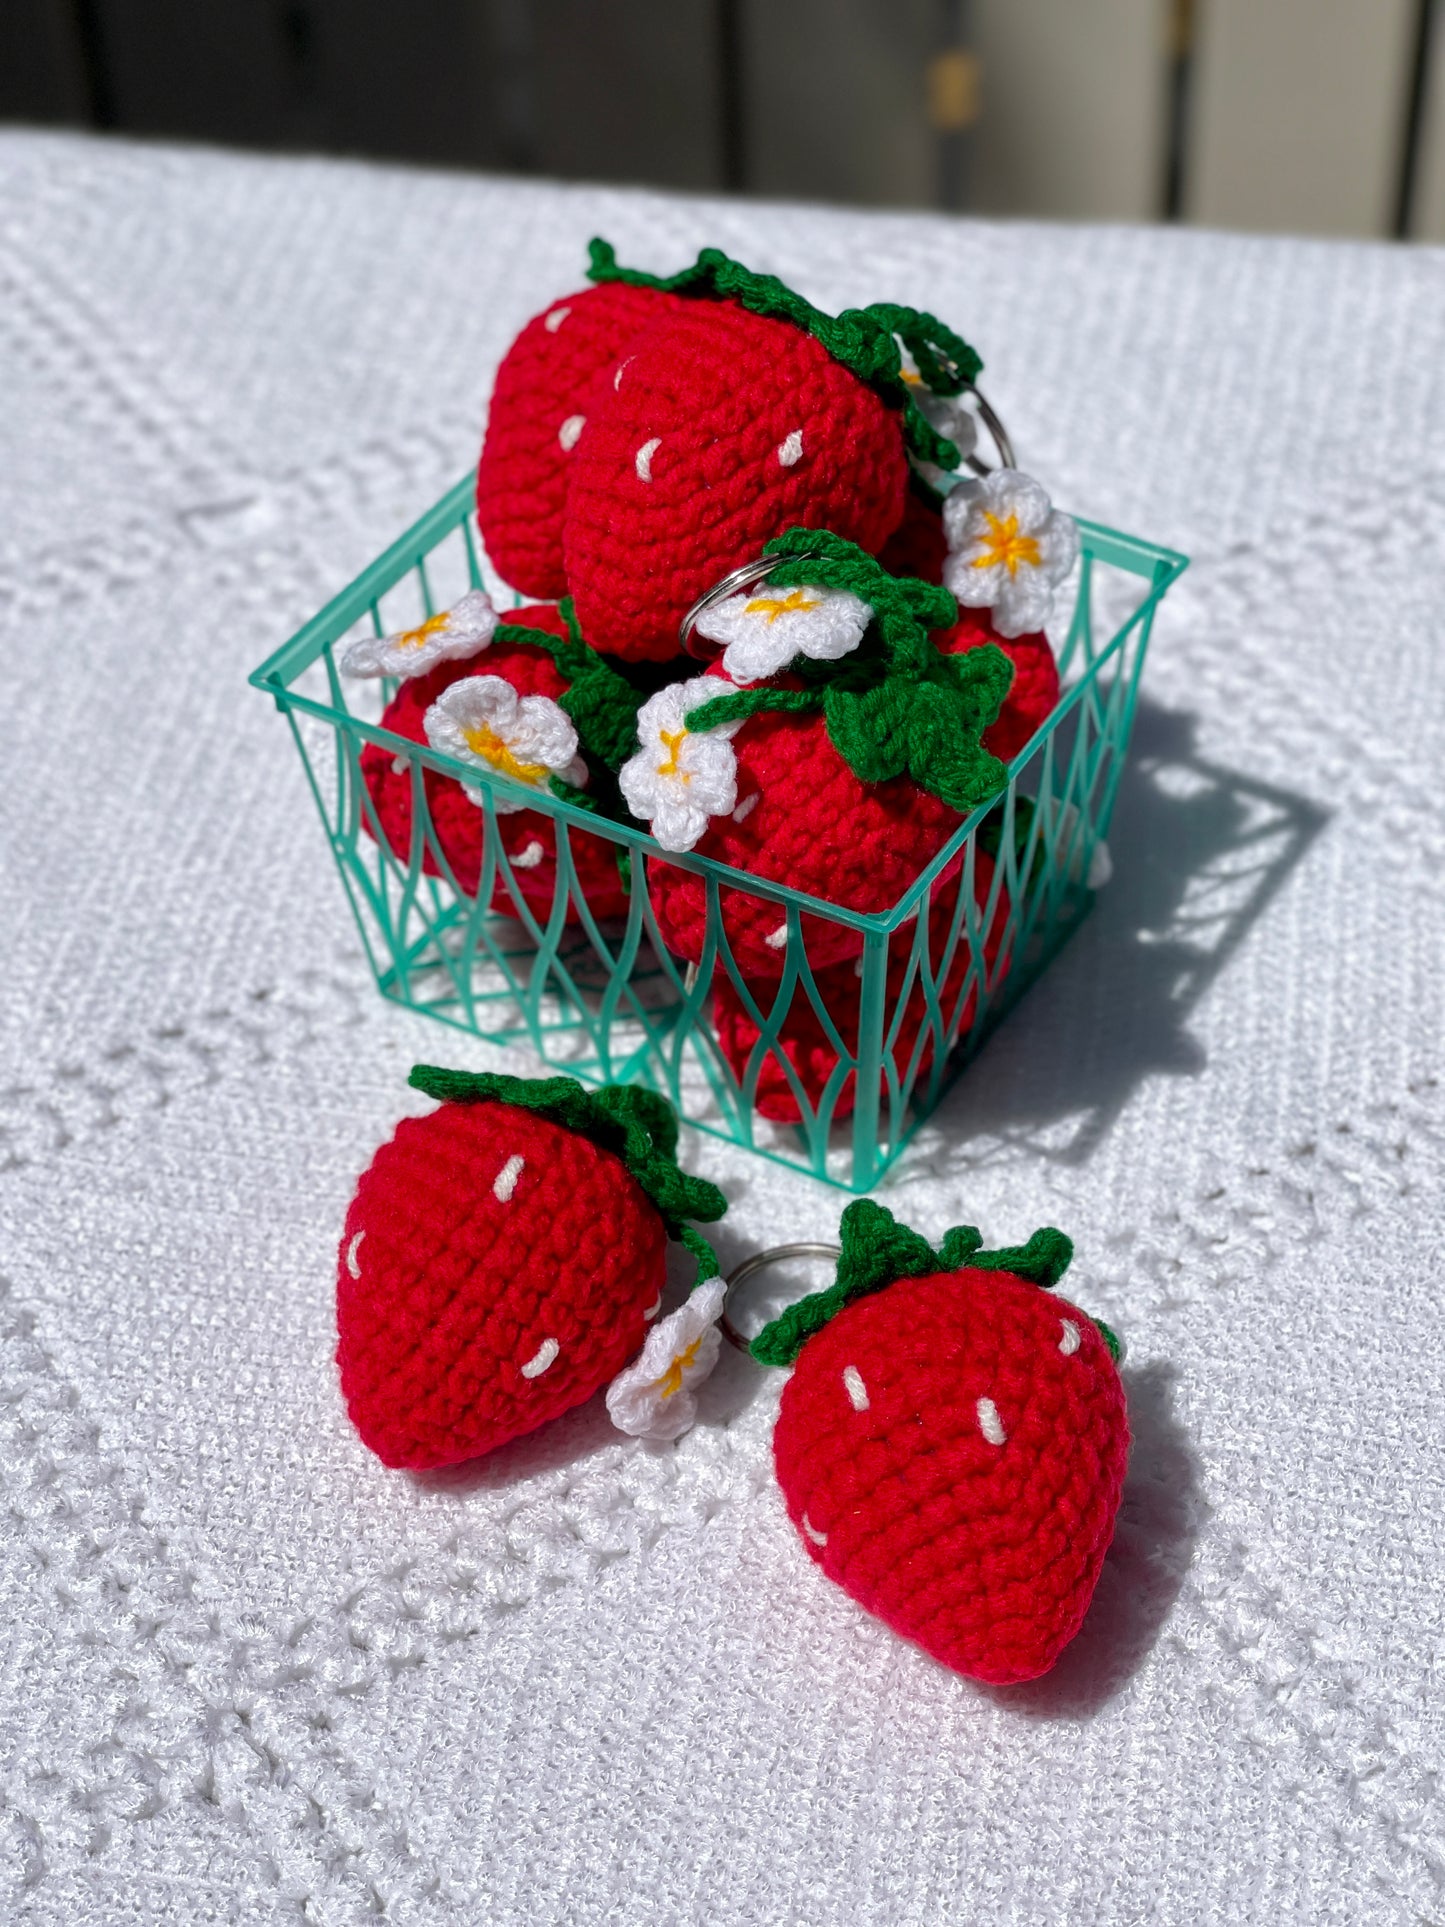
(725,429)
(444,1291)
(1032,694)
(460,824)
(986,1554)
(544,383)
(805,1042)
(815,827)
(918,546)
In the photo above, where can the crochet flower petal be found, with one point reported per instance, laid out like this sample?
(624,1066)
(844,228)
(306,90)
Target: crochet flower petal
(655,1398)
(680,778)
(1009,548)
(765,629)
(456,634)
(481,721)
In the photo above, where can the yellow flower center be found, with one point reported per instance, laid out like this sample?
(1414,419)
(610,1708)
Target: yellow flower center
(674,739)
(796,603)
(484,741)
(671,1380)
(418,638)
(1003,543)
(913,380)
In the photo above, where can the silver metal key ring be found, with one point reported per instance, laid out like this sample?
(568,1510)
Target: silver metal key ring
(997,431)
(748,576)
(777,1255)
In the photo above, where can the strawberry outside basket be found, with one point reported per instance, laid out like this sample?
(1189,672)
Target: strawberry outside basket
(605,1002)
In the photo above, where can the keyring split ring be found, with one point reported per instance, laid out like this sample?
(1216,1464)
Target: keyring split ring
(748,576)
(996,429)
(760,1260)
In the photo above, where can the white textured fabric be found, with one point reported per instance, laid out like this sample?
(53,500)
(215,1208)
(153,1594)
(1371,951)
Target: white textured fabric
(249,1674)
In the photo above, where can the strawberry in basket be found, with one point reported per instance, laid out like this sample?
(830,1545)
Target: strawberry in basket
(518,698)
(744,412)
(805,1044)
(540,403)
(844,785)
(953,1441)
(503,1258)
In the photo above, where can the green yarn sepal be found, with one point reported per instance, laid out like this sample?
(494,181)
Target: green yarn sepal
(636,1125)
(864,340)
(877,1251)
(897,706)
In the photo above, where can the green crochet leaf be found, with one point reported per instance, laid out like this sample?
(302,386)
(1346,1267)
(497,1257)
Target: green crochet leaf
(636,1125)
(1043,1260)
(862,339)
(945,751)
(871,729)
(896,705)
(929,730)
(944,360)
(877,1251)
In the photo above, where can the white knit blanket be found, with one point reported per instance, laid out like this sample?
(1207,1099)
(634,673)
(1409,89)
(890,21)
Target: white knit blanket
(250,1675)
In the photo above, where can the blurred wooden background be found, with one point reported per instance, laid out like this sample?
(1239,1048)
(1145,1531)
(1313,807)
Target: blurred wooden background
(1313,116)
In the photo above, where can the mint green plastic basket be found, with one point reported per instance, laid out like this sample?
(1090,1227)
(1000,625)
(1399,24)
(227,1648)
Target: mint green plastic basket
(605,1002)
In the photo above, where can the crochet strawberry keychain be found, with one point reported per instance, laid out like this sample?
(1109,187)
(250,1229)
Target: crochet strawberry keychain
(952,1443)
(504,1257)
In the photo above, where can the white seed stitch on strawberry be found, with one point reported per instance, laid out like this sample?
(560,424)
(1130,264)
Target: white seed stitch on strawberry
(506,1179)
(545,1355)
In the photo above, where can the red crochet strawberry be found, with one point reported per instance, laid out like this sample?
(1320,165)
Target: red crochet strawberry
(528,837)
(953,1441)
(540,402)
(745,412)
(502,1257)
(808,1044)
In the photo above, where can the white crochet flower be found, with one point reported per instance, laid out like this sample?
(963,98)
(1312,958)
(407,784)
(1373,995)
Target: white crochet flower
(482,720)
(765,628)
(654,1397)
(1009,547)
(452,636)
(680,778)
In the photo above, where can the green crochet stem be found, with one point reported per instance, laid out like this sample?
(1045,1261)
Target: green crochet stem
(878,1251)
(864,340)
(897,705)
(636,1125)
